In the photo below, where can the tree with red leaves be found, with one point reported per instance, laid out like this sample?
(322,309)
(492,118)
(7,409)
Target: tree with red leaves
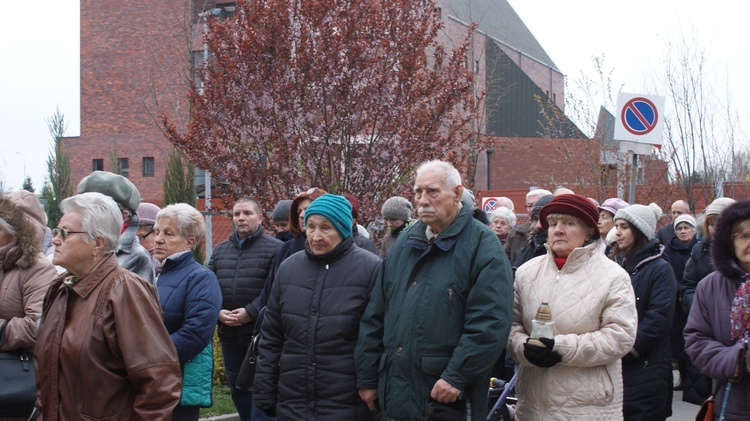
(345,95)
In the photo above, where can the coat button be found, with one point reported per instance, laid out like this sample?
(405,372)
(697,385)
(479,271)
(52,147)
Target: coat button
(413,283)
(398,350)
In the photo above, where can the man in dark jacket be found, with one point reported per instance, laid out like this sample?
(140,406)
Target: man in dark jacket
(241,264)
(440,311)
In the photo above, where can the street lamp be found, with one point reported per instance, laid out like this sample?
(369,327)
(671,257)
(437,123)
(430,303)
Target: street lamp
(489,151)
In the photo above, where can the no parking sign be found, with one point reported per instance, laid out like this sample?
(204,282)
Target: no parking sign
(640,118)
(488,204)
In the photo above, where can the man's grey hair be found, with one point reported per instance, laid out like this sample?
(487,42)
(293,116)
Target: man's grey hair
(190,222)
(537,193)
(100,217)
(450,173)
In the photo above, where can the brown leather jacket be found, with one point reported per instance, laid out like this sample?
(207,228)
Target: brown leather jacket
(112,358)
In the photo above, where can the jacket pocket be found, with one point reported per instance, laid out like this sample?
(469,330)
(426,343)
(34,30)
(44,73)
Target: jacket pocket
(597,387)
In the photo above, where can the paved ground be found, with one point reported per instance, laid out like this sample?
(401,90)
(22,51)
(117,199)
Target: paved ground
(681,411)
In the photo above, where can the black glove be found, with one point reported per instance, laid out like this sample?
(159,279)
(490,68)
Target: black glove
(541,357)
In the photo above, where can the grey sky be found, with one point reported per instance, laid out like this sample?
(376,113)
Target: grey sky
(40,61)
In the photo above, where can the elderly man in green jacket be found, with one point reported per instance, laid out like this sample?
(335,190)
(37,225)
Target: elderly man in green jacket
(440,311)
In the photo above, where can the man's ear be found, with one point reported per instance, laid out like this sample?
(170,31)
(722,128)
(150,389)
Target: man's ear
(459,190)
(190,243)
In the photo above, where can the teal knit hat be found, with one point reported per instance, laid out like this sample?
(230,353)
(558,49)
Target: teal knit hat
(336,209)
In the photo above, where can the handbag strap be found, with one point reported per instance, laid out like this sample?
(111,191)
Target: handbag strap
(2,331)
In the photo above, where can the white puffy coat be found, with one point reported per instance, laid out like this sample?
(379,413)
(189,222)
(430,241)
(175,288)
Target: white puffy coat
(593,307)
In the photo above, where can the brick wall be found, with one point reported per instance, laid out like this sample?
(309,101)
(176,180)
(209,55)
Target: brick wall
(134,65)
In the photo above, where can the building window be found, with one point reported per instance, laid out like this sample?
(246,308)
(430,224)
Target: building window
(97,165)
(476,66)
(148,166)
(440,12)
(123,167)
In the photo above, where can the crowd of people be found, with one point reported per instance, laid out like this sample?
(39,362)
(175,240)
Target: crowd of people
(596,306)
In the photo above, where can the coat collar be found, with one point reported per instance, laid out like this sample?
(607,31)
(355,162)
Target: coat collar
(446,239)
(88,283)
(250,239)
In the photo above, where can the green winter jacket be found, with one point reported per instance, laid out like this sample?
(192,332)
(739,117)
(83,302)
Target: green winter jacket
(440,310)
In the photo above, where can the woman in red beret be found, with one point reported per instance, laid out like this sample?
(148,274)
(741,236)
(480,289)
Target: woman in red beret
(571,371)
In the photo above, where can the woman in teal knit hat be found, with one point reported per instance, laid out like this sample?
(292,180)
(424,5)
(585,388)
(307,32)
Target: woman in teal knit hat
(305,366)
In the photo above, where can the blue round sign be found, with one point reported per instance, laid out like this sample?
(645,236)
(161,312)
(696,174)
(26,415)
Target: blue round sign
(489,205)
(639,116)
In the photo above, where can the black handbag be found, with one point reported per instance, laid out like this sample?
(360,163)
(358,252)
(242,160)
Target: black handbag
(17,382)
(246,375)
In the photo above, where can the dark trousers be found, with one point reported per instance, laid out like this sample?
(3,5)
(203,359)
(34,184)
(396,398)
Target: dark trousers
(234,354)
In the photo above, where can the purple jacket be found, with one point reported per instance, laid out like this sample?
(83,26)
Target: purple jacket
(707,333)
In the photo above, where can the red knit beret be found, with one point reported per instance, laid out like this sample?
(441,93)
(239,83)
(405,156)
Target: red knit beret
(574,205)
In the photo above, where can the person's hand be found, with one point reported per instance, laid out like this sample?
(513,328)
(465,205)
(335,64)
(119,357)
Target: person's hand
(443,392)
(225,317)
(541,357)
(234,318)
(369,396)
(241,315)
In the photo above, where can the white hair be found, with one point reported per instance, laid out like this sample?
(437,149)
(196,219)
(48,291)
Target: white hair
(506,213)
(190,222)
(450,173)
(100,217)
(537,193)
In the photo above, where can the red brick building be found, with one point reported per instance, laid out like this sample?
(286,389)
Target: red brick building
(137,59)
(135,64)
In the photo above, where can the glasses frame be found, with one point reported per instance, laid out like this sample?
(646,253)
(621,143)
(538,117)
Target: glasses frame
(64,233)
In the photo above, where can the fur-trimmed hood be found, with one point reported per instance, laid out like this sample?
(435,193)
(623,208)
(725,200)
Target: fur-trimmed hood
(722,253)
(27,232)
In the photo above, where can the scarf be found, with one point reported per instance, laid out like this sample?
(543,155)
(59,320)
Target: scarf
(740,315)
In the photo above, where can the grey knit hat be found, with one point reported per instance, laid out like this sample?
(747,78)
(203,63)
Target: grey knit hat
(717,206)
(643,218)
(397,208)
(119,188)
(281,211)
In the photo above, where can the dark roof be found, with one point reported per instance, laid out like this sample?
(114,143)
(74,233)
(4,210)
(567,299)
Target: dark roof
(497,19)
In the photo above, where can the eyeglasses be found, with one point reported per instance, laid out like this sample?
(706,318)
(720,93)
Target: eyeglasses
(143,237)
(742,237)
(64,233)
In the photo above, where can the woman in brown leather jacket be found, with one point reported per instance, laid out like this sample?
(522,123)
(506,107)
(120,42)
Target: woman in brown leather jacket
(102,350)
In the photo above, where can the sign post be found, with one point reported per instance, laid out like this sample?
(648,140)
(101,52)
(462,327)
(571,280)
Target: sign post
(639,127)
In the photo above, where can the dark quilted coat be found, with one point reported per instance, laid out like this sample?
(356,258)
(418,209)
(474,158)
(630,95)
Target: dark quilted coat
(647,370)
(242,272)
(697,267)
(306,360)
